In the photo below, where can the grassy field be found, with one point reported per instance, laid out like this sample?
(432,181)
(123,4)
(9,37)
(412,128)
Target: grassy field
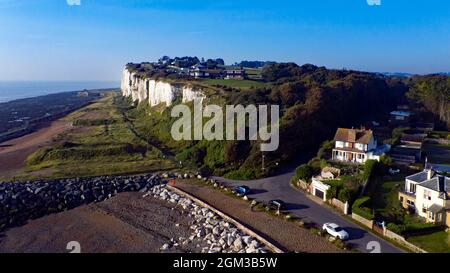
(437,242)
(104,145)
(241,84)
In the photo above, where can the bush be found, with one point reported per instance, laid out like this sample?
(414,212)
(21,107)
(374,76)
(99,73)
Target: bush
(399,229)
(332,192)
(360,209)
(240,174)
(304,172)
(413,229)
(369,169)
(325,150)
(345,195)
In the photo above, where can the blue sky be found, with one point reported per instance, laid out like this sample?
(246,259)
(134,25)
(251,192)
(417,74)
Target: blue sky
(50,40)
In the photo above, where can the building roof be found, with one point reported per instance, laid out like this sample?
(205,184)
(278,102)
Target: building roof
(417,138)
(353,135)
(438,183)
(418,177)
(401,113)
(436,208)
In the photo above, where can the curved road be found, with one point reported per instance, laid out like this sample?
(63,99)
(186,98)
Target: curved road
(279,187)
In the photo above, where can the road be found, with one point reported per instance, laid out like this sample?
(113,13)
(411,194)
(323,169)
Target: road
(300,205)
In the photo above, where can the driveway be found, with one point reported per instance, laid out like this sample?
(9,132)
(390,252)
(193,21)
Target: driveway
(279,187)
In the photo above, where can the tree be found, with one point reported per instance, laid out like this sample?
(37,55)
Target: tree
(304,172)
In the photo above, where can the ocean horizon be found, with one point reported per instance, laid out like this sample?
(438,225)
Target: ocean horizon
(14,90)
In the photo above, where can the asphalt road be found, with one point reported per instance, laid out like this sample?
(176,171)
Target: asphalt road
(279,187)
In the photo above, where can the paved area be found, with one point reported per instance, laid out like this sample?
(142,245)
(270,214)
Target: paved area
(285,235)
(299,204)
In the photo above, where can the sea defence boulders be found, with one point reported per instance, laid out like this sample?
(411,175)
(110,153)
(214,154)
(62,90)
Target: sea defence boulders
(209,232)
(22,201)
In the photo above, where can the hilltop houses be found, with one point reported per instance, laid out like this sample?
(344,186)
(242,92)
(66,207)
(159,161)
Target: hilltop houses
(356,146)
(235,73)
(427,194)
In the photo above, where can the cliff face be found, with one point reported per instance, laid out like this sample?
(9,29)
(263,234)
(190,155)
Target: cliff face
(155,92)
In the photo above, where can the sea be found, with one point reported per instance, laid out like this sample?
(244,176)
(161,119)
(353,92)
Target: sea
(13,90)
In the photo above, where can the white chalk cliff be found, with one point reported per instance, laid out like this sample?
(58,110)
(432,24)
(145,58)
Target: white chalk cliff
(156,92)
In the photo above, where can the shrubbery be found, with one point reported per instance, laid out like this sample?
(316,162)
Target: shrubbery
(411,229)
(241,174)
(360,208)
(304,172)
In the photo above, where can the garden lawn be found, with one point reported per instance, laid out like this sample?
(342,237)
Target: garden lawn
(438,242)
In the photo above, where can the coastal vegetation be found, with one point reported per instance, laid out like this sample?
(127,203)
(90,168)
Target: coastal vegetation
(97,146)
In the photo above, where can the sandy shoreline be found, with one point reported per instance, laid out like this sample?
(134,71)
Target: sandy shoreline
(125,223)
(13,153)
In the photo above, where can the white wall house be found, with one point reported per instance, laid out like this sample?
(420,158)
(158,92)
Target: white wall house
(427,194)
(355,145)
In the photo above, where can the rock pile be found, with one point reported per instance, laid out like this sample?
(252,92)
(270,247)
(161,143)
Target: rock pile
(210,232)
(22,201)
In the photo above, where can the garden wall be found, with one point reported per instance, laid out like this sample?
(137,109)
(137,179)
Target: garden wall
(362,220)
(400,239)
(339,205)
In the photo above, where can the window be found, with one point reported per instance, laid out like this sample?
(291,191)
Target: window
(432,216)
(424,209)
(412,187)
(427,194)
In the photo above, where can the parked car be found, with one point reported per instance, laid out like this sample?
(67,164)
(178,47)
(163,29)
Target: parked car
(276,205)
(242,190)
(336,231)
(394,171)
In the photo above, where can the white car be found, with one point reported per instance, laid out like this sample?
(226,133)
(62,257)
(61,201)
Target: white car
(394,171)
(335,231)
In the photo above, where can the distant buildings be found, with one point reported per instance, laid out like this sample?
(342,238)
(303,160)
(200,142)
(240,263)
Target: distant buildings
(235,73)
(356,146)
(400,117)
(192,67)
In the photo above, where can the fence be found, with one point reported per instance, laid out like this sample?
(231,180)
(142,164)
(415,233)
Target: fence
(339,205)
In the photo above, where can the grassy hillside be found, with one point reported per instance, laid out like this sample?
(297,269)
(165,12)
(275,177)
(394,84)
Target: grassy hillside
(102,143)
(314,101)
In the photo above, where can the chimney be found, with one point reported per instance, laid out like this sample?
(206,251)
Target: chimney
(429,174)
(441,183)
(352,135)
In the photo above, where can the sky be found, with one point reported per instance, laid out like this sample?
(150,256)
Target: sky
(52,40)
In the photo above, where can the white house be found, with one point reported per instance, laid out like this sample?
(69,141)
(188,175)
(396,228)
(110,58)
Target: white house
(357,146)
(427,194)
